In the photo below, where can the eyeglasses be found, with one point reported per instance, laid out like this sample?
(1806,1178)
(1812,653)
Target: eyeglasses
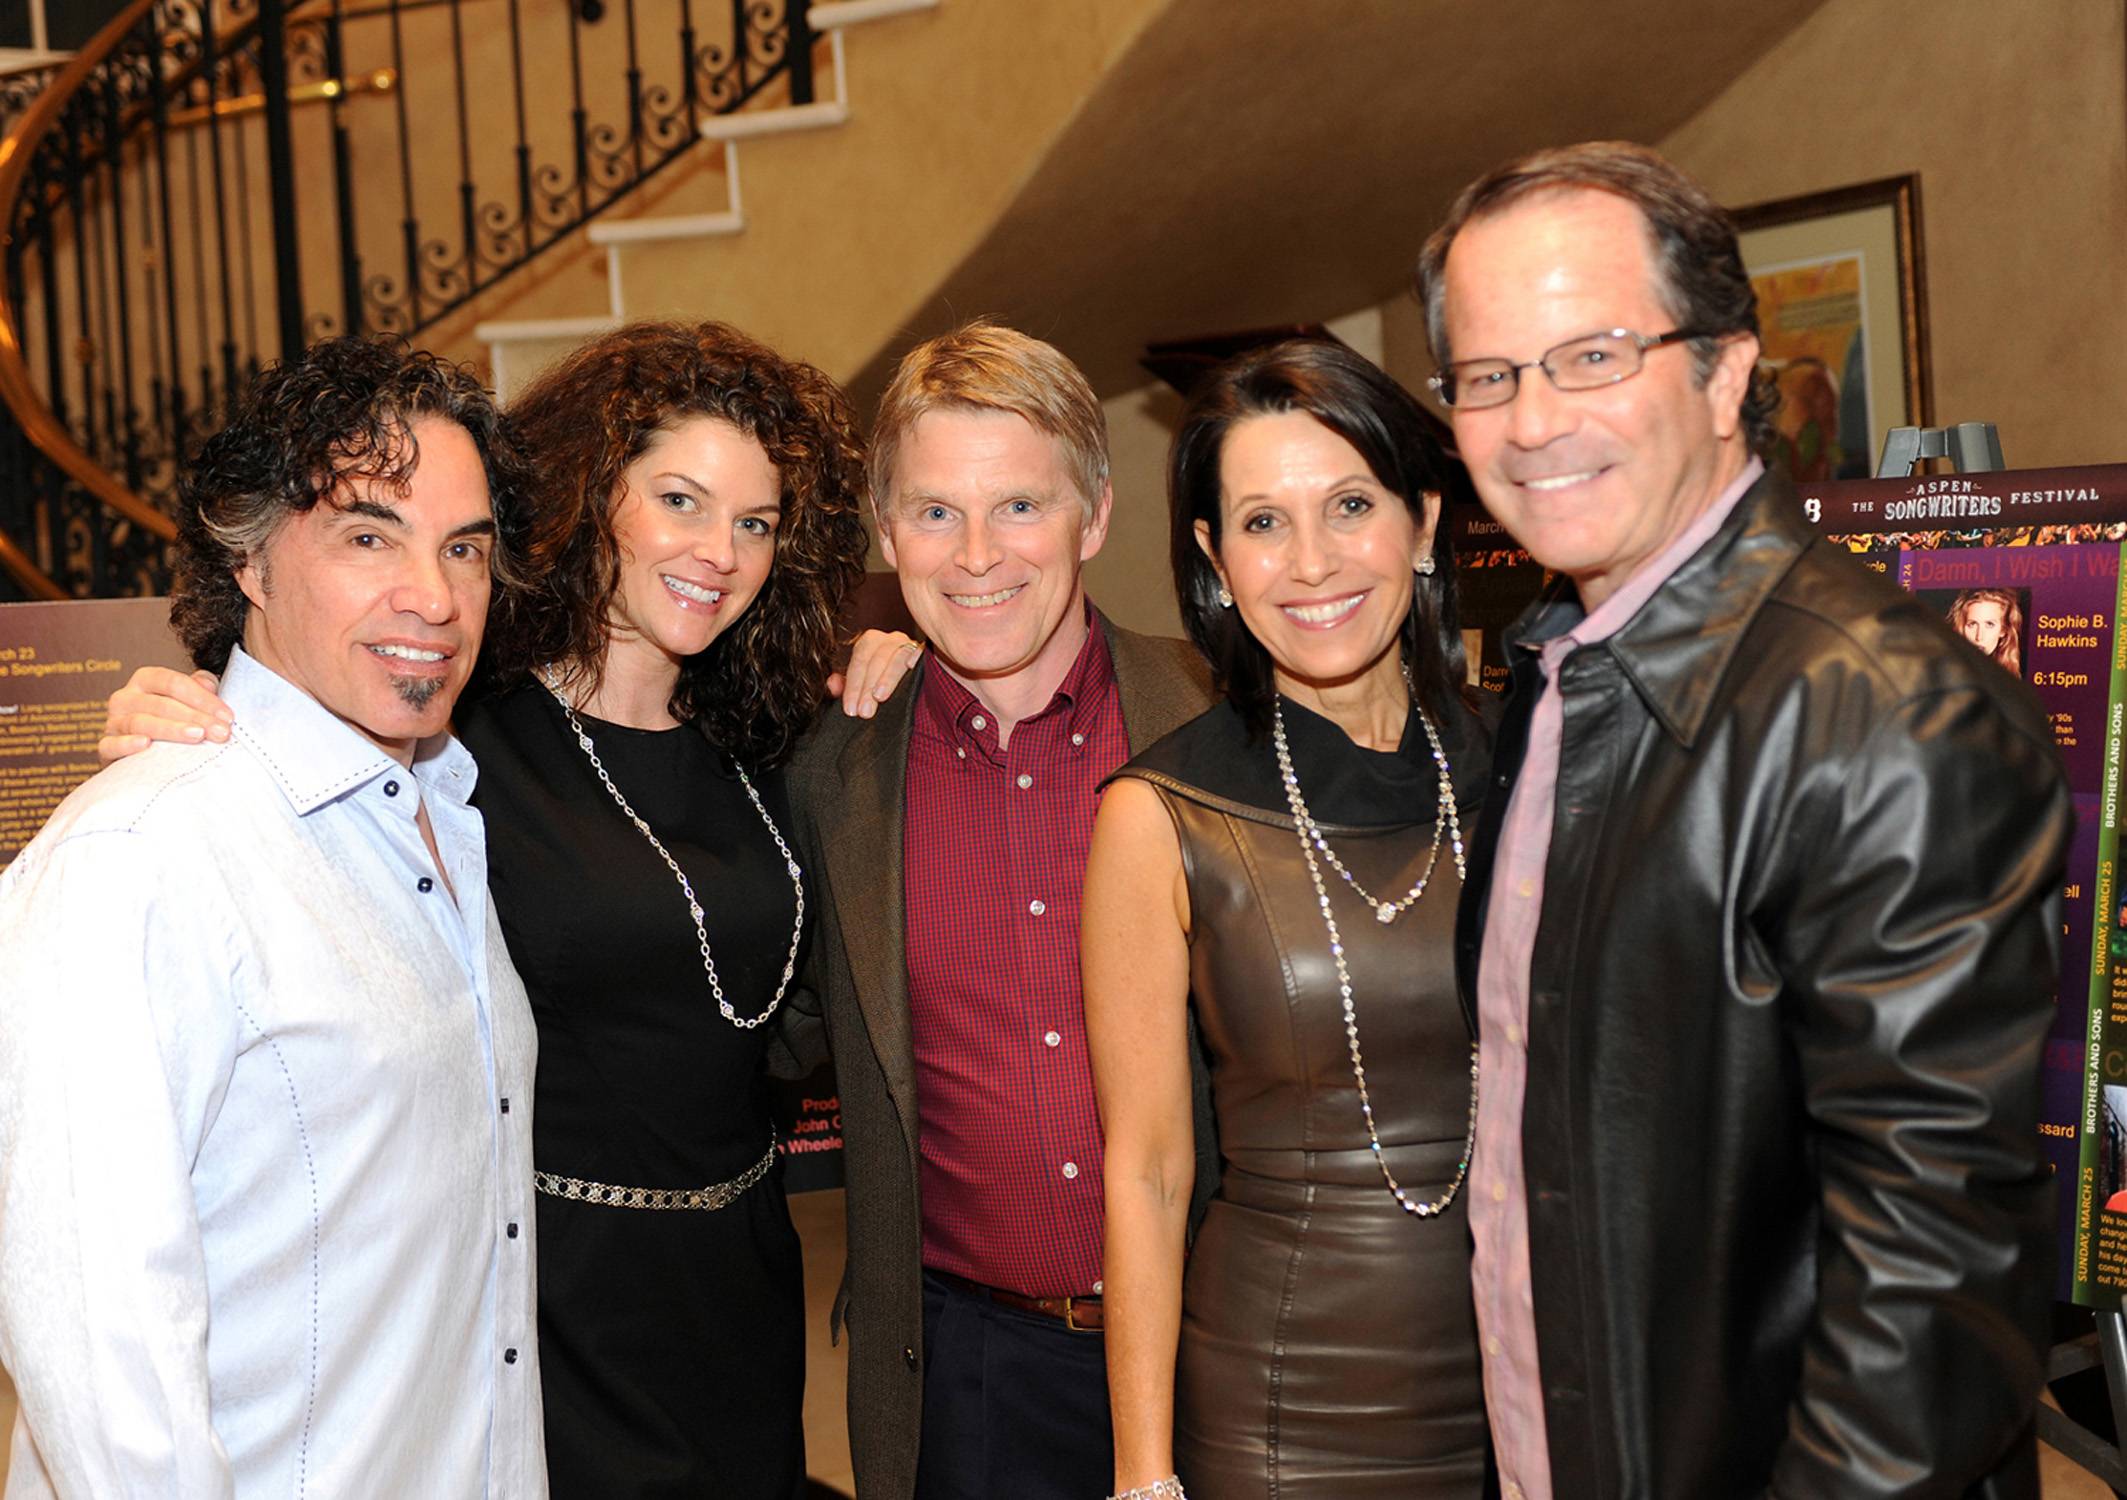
(1581,364)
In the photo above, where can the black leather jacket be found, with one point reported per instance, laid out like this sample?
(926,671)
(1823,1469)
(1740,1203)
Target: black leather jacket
(1790,1227)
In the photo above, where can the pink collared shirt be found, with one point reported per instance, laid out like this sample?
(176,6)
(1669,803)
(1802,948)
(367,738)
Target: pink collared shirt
(1499,1208)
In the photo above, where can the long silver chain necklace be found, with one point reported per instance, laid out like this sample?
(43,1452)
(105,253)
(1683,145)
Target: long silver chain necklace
(694,907)
(1385,912)
(1310,839)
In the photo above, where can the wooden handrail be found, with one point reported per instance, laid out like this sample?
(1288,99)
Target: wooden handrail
(45,431)
(28,574)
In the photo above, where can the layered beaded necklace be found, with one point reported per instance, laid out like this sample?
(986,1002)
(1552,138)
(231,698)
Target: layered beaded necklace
(1385,912)
(694,908)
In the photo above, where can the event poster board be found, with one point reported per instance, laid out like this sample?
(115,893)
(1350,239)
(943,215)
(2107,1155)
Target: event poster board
(2041,550)
(59,662)
(2044,547)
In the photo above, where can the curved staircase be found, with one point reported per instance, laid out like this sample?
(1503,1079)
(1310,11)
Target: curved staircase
(212,182)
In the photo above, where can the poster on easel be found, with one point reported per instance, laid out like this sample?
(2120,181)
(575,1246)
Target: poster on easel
(58,663)
(2025,565)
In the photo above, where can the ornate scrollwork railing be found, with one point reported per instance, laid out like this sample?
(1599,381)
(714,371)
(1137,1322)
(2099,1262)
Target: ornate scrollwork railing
(211,183)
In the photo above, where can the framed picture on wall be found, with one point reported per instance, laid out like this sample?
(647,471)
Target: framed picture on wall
(1842,303)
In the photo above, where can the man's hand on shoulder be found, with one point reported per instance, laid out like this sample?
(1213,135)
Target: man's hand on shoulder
(160,704)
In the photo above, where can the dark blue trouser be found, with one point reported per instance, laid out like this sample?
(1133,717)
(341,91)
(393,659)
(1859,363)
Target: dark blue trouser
(1013,1403)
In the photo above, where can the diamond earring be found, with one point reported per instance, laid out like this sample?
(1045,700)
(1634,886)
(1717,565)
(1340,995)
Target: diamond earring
(1225,599)
(1425,566)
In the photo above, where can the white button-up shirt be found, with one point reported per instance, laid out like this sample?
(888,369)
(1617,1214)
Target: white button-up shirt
(265,1125)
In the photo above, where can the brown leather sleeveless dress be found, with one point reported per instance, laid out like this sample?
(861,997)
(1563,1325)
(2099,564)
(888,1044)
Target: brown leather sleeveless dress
(1328,1346)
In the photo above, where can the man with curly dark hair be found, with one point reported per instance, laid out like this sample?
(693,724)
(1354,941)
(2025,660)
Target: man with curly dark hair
(265,1065)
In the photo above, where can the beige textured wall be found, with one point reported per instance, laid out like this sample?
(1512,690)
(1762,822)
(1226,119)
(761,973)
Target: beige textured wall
(2016,123)
(2015,117)
(848,229)
(1130,578)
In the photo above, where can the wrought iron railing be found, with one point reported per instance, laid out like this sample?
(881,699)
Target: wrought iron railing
(20,89)
(214,182)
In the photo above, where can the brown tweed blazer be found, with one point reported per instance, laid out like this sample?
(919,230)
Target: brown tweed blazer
(848,784)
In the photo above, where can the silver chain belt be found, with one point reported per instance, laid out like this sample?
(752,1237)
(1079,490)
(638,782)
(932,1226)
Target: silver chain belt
(716,1195)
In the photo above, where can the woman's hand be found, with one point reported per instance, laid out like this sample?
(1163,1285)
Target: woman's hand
(878,661)
(160,704)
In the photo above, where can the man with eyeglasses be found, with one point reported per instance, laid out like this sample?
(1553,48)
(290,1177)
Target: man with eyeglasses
(1760,929)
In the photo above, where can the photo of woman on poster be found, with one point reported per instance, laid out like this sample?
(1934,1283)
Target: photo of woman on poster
(1992,620)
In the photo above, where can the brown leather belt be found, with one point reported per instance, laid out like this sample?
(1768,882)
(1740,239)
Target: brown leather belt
(1079,1314)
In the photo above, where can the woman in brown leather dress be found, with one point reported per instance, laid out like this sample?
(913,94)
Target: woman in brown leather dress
(1281,874)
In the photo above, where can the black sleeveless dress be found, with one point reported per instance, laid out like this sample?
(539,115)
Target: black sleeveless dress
(671,1342)
(1328,1345)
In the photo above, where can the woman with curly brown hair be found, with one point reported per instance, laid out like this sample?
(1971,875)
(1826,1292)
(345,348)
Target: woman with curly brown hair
(694,529)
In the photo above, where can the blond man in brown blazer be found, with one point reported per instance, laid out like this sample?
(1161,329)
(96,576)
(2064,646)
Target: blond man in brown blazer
(990,487)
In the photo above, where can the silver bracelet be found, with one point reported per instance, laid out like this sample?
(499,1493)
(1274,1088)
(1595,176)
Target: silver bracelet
(1169,1488)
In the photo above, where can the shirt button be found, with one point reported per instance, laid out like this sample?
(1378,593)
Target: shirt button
(1514,1033)
(1025,781)
(1051,1039)
(980,722)
(424,885)
(1499,1192)
(1070,1170)
(1037,907)
(908,1356)
(1097,1288)
(512,1231)
(1078,739)
(509,1356)
(1491,1345)
(505,1106)
(1526,889)
(391,788)
(961,751)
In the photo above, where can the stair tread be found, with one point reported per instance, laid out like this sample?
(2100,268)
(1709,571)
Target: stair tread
(758,122)
(666,227)
(509,330)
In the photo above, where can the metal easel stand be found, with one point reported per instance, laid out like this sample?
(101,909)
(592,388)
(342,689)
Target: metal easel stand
(1971,448)
(2075,1442)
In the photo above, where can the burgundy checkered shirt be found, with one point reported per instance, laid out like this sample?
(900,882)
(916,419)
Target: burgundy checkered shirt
(996,860)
